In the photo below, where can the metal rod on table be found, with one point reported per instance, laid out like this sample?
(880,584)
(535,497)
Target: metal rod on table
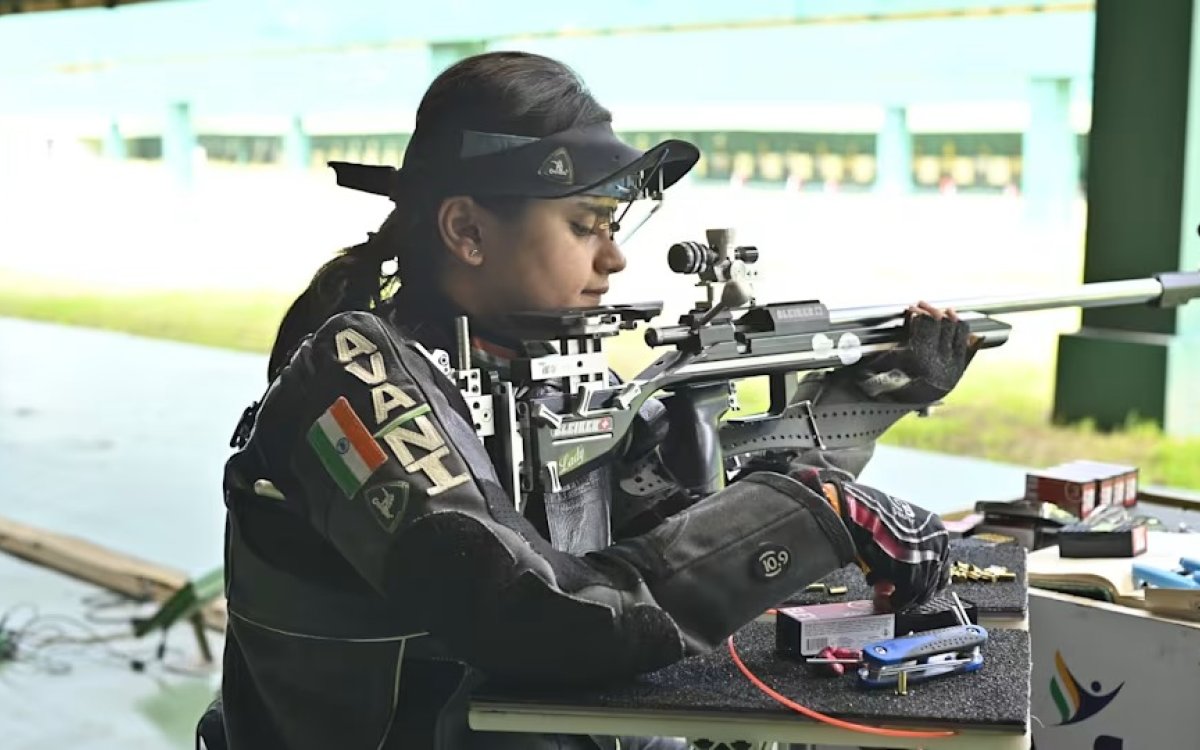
(1097,294)
(960,612)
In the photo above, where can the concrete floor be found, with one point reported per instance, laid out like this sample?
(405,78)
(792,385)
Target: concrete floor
(121,440)
(88,697)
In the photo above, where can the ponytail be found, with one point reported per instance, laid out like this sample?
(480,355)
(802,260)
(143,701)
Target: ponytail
(353,280)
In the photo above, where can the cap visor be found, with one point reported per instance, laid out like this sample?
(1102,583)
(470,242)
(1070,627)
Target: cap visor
(674,159)
(369,178)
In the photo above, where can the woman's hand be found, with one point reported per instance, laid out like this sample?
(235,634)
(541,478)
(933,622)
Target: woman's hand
(925,308)
(882,592)
(938,346)
(903,549)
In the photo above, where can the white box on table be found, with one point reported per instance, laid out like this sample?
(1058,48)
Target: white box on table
(1109,677)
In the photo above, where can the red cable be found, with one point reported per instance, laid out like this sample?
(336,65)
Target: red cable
(829,719)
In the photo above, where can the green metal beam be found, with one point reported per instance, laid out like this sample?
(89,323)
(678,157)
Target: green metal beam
(179,142)
(1051,168)
(1143,205)
(893,152)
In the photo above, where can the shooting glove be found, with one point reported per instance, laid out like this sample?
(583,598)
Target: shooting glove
(926,368)
(896,541)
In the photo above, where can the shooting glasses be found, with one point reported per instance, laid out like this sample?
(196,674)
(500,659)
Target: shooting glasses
(589,160)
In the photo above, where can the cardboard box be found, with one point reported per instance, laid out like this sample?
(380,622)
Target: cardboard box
(1100,537)
(1105,482)
(1106,676)
(1072,488)
(804,631)
(1125,480)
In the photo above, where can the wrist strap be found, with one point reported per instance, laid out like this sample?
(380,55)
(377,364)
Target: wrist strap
(831,494)
(835,499)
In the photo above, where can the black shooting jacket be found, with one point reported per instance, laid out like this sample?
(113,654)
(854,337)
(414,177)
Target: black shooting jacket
(395,574)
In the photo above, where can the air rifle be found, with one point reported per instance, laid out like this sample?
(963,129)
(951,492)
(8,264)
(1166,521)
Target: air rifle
(560,413)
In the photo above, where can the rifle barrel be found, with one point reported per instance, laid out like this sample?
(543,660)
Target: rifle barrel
(1096,294)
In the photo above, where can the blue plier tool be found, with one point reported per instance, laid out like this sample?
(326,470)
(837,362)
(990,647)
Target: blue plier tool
(923,656)
(1169,579)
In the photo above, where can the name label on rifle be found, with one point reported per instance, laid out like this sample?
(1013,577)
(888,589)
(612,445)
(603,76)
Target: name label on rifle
(567,365)
(791,313)
(793,317)
(584,427)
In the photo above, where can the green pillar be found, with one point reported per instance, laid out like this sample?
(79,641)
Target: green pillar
(893,153)
(179,142)
(1143,208)
(444,54)
(297,146)
(1050,167)
(114,142)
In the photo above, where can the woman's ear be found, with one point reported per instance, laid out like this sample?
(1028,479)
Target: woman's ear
(458,224)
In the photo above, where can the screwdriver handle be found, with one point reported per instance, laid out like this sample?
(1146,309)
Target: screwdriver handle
(870,679)
(921,645)
(1167,579)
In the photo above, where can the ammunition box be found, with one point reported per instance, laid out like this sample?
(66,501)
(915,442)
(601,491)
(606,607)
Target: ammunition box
(1072,488)
(1124,480)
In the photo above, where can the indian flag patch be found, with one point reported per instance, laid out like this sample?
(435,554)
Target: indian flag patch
(345,447)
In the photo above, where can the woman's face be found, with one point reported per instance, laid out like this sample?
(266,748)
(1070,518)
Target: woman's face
(556,254)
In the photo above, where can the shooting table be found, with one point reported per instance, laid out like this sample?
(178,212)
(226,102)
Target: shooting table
(707,700)
(1089,694)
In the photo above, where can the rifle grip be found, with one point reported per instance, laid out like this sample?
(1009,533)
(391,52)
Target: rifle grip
(692,449)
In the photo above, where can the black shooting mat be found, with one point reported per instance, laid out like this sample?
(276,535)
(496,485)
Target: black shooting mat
(997,696)
(1000,597)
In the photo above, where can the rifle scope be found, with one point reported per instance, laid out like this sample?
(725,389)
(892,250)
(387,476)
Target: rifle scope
(697,257)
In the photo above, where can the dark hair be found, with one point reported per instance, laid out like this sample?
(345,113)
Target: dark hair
(518,93)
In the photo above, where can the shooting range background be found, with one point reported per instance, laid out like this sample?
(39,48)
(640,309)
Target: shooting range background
(891,151)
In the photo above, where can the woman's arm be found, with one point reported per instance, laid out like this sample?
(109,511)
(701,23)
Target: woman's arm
(363,438)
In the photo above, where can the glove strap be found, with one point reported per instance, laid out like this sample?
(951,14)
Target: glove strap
(833,494)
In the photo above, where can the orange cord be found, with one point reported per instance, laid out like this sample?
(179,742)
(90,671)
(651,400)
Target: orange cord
(829,719)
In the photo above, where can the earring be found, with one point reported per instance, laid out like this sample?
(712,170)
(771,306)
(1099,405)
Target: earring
(474,252)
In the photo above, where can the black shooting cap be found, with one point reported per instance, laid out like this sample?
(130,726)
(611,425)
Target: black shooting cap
(589,160)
